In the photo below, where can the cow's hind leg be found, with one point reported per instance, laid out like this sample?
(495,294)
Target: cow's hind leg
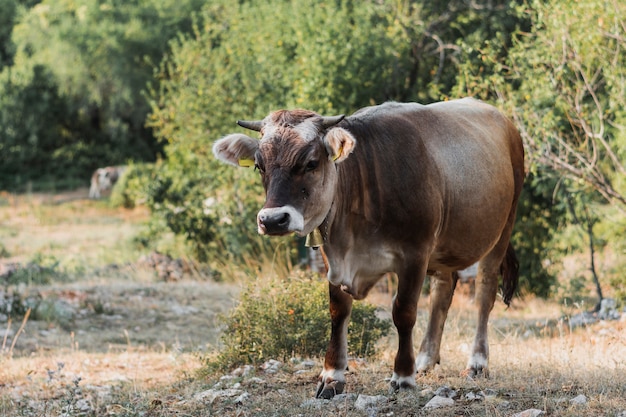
(332,379)
(441,291)
(499,259)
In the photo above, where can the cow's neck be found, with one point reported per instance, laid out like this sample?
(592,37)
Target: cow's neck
(319,235)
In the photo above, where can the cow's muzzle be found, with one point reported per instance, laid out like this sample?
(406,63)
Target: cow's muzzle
(278,221)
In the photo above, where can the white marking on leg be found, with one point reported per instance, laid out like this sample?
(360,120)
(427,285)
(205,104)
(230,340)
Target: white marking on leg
(477,361)
(329,375)
(424,362)
(403,381)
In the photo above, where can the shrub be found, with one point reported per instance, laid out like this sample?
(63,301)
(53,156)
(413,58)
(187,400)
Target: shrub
(133,187)
(283,318)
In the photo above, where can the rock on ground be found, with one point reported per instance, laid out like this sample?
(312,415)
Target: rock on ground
(438,402)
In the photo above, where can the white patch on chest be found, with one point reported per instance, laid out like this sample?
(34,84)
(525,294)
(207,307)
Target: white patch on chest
(357,270)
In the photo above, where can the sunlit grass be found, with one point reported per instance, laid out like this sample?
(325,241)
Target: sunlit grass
(79,234)
(132,354)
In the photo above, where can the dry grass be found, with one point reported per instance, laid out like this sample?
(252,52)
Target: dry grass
(80,233)
(527,371)
(540,373)
(133,349)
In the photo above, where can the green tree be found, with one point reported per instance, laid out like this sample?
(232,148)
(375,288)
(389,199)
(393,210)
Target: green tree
(36,127)
(100,56)
(564,83)
(8,10)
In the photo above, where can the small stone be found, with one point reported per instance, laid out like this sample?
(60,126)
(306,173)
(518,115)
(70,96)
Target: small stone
(255,381)
(363,402)
(272,366)
(211,395)
(473,396)
(446,392)
(83,406)
(427,392)
(489,392)
(532,412)
(578,400)
(315,403)
(340,398)
(439,402)
(306,364)
(243,371)
(242,398)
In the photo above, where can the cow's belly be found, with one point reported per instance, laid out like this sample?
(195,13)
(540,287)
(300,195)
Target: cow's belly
(466,241)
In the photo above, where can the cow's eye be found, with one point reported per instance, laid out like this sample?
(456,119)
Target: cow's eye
(311,166)
(259,168)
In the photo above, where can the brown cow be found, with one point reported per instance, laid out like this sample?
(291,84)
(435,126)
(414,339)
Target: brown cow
(402,188)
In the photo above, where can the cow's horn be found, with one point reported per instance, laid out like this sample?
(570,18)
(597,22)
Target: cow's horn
(251,124)
(330,121)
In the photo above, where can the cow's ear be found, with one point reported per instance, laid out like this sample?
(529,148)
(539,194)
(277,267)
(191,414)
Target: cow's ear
(236,149)
(339,143)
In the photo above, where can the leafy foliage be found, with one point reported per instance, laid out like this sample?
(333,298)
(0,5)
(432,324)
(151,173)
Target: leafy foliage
(329,57)
(562,81)
(72,98)
(74,75)
(280,319)
(132,188)
(538,218)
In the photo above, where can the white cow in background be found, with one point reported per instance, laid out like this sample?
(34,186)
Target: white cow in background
(103,179)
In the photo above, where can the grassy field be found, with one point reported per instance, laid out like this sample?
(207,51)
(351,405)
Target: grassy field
(116,340)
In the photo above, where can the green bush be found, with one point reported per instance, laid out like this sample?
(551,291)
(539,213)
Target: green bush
(284,318)
(41,270)
(132,189)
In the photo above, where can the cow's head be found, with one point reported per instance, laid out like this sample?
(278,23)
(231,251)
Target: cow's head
(104,179)
(296,157)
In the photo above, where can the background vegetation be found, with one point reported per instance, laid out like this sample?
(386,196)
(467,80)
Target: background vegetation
(89,83)
(117,327)
(281,319)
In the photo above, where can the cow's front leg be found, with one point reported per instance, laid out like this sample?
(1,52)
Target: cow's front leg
(404,313)
(332,379)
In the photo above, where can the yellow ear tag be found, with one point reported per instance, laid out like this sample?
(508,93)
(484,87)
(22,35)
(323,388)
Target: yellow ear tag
(338,154)
(246,163)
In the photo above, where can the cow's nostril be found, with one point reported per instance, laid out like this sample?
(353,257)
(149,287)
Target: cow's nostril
(283,221)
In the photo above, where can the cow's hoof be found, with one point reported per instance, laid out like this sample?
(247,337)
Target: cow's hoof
(327,390)
(475,372)
(424,372)
(401,384)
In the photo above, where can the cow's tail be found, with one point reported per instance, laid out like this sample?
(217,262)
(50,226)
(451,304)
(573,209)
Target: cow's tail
(509,269)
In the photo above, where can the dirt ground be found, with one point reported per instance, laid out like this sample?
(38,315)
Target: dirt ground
(123,342)
(115,317)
